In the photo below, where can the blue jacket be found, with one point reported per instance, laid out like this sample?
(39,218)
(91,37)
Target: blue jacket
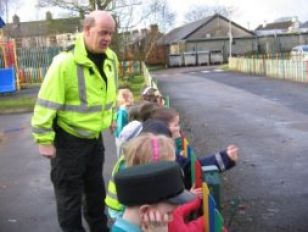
(122,120)
(121,225)
(221,160)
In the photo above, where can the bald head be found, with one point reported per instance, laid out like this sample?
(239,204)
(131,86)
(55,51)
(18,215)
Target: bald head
(98,28)
(98,16)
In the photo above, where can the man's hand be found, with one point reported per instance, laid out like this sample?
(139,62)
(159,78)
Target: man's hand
(47,150)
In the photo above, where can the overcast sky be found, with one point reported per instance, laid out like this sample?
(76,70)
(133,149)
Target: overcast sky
(249,13)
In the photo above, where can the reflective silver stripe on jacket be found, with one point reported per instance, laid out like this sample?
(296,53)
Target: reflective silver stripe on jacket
(112,195)
(220,162)
(81,86)
(49,104)
(85,133)
(65,107)
(41,130)
(109,193)
(83,107)
(108,106)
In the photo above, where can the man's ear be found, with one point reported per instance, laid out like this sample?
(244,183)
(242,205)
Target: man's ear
(86,30)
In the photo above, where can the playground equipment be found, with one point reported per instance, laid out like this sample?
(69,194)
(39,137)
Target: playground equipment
(9,82)
(208,179)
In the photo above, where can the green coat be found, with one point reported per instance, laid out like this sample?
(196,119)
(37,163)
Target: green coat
(74,91)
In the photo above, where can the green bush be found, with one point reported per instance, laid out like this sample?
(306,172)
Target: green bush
(136,79)
(134,82)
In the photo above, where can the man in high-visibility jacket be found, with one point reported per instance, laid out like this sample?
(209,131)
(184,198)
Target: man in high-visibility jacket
(75,104)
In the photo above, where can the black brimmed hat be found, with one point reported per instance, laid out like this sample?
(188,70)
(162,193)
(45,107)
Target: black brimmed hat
(152,183)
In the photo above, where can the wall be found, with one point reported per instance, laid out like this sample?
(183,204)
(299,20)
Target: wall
(281,43)
(270,44)
(240,46)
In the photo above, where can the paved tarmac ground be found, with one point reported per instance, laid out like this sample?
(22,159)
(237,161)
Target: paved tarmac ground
(26,195)
(268,120)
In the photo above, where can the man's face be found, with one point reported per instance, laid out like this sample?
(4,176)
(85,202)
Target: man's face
(98,37)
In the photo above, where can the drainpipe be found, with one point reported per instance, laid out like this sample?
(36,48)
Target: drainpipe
(230,39)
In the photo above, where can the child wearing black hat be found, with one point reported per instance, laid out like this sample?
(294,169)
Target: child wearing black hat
(155,186)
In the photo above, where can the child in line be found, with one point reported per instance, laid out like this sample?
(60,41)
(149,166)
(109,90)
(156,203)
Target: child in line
(138,113)
(151,94)
(224,160)
(136,151)
(146,188)
(149,148)
(124,101)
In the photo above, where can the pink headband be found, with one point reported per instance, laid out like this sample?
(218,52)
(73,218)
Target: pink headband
(155,149)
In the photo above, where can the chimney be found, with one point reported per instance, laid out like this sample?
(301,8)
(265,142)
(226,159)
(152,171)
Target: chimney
(126,33)
(294,19)
(48,15)
(135,34)
(154,28)
(16,19)
(295,23)
(264,24)
(144,32)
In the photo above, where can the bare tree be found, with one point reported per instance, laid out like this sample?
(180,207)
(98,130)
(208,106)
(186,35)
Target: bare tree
(80,6)
(5,6)
(129,15)
(161,14)
(144,13)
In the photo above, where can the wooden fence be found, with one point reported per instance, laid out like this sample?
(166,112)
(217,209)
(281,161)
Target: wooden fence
(285,69)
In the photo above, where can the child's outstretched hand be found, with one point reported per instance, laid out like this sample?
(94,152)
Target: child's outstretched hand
(232,152)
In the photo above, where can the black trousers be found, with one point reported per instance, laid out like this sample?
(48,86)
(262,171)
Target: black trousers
(76,173)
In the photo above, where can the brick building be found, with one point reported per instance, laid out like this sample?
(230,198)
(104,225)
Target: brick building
(43,33)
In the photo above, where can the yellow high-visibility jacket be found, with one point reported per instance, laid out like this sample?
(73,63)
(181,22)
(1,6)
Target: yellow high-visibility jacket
(74,93)
(111,199)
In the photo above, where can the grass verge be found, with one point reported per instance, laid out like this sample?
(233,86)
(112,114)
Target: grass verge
(21,103)
(17,104)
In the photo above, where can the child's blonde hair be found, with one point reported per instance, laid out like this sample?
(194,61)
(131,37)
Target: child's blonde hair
(125,97)
(148,148)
